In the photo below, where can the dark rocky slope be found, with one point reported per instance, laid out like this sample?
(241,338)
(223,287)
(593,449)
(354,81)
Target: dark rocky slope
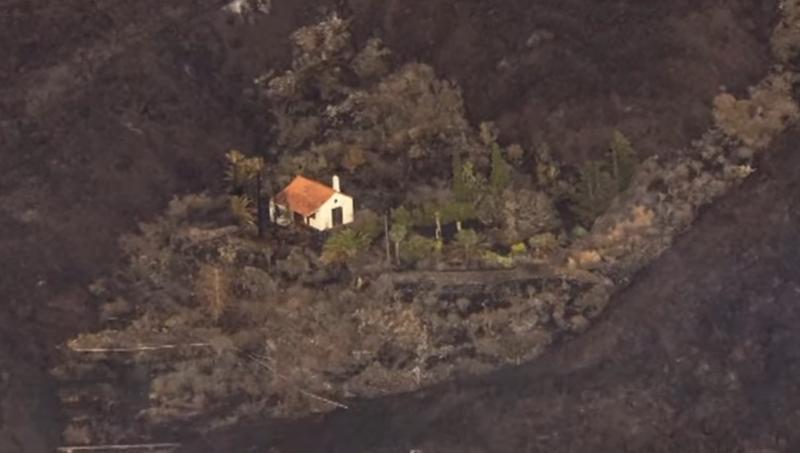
(109,109)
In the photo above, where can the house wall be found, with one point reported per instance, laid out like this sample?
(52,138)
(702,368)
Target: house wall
(323,218)
(279,214)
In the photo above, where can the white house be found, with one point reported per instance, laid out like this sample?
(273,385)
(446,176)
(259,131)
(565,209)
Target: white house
(308,202)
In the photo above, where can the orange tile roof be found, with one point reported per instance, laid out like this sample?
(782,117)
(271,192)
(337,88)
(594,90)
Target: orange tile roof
(304,196)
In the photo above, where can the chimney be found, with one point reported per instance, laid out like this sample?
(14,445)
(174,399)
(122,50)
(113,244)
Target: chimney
(335,185)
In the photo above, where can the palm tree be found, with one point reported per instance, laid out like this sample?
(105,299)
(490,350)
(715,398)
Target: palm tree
(242,210)
(344,244)
(398,234)
(234,174)
(623,160)
(241,173)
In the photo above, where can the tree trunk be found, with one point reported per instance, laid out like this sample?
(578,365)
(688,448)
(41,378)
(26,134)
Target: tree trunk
(397,252)
(386,238)
(438,226)
(458,225)
(261,217)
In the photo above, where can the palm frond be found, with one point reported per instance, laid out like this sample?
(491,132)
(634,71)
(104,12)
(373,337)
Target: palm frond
(243,210)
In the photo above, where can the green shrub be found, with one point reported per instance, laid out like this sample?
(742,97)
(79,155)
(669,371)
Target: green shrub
(419,248)
(402,216)
(543,245)
(368,224)
(470,242)
(425,215)
(523,213)
(458,211)
(344,244)
(496,259)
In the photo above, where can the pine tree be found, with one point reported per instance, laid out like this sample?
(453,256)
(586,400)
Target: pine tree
(474,182)
(623,160)
(245,175)
(500,177)
(594,193)
(601,181)
(460,189)
(467,185)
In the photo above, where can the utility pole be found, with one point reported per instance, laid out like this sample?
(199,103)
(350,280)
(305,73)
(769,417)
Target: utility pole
(438,217)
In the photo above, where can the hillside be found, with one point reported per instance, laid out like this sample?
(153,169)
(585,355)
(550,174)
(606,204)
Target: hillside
(697,355)
(109,111)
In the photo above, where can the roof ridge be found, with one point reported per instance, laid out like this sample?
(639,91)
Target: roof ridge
(304,195)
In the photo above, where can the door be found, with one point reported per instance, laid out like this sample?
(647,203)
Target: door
(337,215)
